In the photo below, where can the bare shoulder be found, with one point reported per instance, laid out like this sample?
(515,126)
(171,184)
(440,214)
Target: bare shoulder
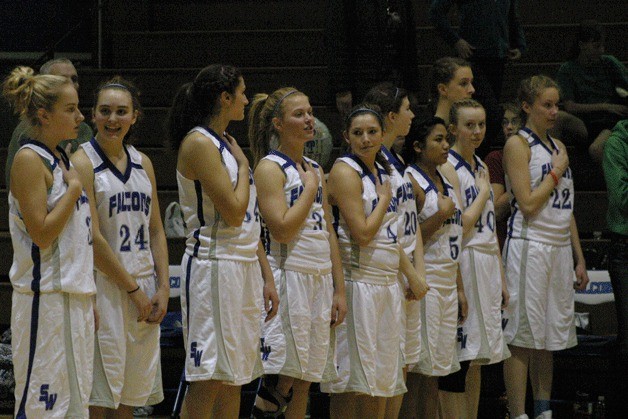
(341,170)
(448,170)
(516,145)
(267,168)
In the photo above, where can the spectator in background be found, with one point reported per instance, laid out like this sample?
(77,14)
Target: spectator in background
(511,122)
(593,85)
(489,36)
(56,67)
(615,165)
(370,42)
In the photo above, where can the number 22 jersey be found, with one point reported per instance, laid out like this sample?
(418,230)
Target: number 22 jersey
(551,224)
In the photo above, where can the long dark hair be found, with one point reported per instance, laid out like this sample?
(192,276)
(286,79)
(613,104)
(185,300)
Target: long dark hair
(362,109)
(387,96)
(419,131)
(197,100)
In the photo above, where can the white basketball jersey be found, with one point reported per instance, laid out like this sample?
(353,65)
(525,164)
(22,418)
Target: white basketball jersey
(208,236)
(67,264)
(123,201)
(482,235)
(309,251)
(442,250)
(406,205)
(378,261)
(551,224)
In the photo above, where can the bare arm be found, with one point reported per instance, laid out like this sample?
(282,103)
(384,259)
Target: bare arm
(463,306)
(345,187)
(201,161)
(582,277)
(283,222)
(502,201)
(159,249)
(271,298)
(416,280)
(30,180)
(339,303)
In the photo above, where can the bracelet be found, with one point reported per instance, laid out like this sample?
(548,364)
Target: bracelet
(131,292)
(551,172)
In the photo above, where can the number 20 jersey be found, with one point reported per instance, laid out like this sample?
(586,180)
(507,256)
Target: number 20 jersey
(551,224)
(123,201)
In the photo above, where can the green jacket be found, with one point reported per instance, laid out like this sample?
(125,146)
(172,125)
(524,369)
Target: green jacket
(616,173)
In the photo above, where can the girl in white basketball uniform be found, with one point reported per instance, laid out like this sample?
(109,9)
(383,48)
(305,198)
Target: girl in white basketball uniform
(426,148)
(480,337)
(395,106)
(52,313)
(131,256)
(541,250)
(368,353)
(302,250)
(226,276)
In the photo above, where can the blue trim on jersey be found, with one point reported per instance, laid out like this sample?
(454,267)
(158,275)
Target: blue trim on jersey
(512,221)
(393,160)
(289,162)
(223,143)
(35,255)
(45,148)
(64,157)
(199,211)
(432,186)
(100,168)
(366,172)
(462,162)
(335,211)
(188,277)
(537,140)
(123,177)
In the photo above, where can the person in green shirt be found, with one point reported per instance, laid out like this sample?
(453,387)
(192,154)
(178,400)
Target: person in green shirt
(594,86)
(56,67)
(615,165)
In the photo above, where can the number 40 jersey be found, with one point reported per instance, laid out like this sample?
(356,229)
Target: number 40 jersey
(124,206)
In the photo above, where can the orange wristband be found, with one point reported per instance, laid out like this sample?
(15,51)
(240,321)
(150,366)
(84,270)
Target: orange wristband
(554,177)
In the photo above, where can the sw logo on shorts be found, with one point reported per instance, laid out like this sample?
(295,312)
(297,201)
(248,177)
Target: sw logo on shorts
(196,355)
(462,338)
(265,350)
(49,398)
